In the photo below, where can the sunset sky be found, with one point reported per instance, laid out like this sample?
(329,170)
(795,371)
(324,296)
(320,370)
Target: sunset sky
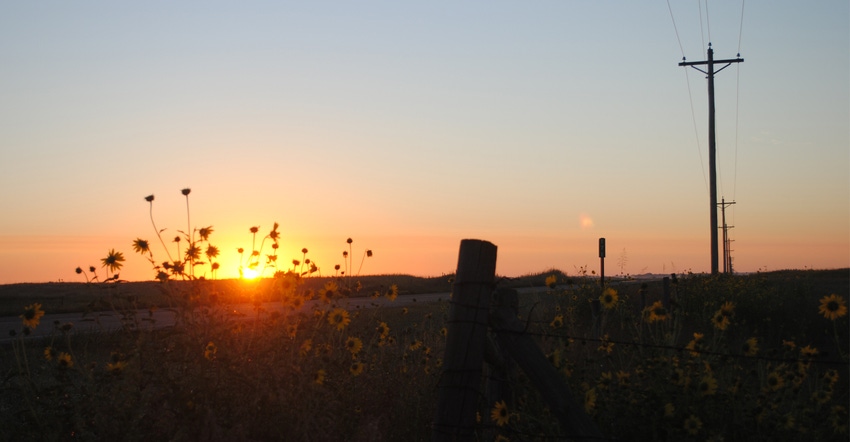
(409,126)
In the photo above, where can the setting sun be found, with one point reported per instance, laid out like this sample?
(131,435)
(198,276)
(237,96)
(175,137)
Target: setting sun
(249,273)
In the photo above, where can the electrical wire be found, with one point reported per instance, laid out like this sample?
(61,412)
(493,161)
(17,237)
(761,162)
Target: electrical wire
(690,98)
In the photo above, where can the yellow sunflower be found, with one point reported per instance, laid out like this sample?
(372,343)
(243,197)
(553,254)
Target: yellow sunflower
(356,368)
(695,345)
(775,381)
(392,293)
(339,318)
(692,425)
(353,345)
(551,281)
(609,298)
(64,360)
(113,261)
(557,322)
(210,350)
(499,414)
(590,400)
(750,347)
(383,330)
(727,309)
(832,307)
(707,385)
(655,312)
(720,320)
(305,348)
(319,377)
(32,315)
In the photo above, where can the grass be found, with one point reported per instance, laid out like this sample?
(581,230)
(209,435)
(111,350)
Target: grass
(213,377)
(736,358)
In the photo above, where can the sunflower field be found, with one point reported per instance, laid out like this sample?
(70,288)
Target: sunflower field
(756,357)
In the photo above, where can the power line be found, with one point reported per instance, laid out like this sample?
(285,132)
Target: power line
(741,29)
(669,8)
(690,96)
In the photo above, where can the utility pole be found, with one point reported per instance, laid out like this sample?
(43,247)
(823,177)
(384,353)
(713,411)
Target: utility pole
(727,251)
(712,166)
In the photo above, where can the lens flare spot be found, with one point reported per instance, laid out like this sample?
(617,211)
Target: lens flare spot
(585,221)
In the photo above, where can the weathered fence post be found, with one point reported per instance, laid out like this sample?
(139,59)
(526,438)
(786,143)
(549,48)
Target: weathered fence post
(510,333)
(460,385)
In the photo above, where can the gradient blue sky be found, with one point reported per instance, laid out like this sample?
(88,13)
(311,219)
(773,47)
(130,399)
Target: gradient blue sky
(539,126)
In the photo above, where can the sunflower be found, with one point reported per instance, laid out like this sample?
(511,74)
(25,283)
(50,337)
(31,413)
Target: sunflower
(319,377)
(788,421)
(838,419)
(605,380)
(832,307)
(775,381)
(720,320)
(113,261)
(590,400)
(210,350)
(305,348)
(831,377)
(204,233)
(499,414)
(606,345)
(339,318)
(329,291)
(695,345)
(551,281)
(707,385)
(808,352)
(727,309)
(64,360)
(655,312)
(115,368)
(353,345)
(383,330)
(415,345)
(291,330)
(32,315)
(141,246)
(669,409)
(356,368)
(609,298)
(750,347)
(558,322)
(692,425)
(193,252)
(49,353)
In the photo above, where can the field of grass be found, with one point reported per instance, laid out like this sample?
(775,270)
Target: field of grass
(731,358)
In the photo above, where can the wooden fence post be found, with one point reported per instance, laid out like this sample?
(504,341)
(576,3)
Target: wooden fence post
(510,333)
(460,384)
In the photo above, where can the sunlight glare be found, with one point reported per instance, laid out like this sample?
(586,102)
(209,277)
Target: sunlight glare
(250,274)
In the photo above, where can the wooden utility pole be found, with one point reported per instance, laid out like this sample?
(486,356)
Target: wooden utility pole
(712,166)
(727,250)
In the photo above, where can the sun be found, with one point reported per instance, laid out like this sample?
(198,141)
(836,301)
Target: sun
(249,273)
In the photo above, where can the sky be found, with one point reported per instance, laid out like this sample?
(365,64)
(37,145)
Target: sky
(408,126)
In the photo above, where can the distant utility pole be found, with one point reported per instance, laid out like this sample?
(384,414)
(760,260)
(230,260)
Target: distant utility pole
(712,166)
(727,243)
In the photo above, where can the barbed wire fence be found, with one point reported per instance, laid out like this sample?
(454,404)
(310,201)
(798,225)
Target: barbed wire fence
(487,343)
